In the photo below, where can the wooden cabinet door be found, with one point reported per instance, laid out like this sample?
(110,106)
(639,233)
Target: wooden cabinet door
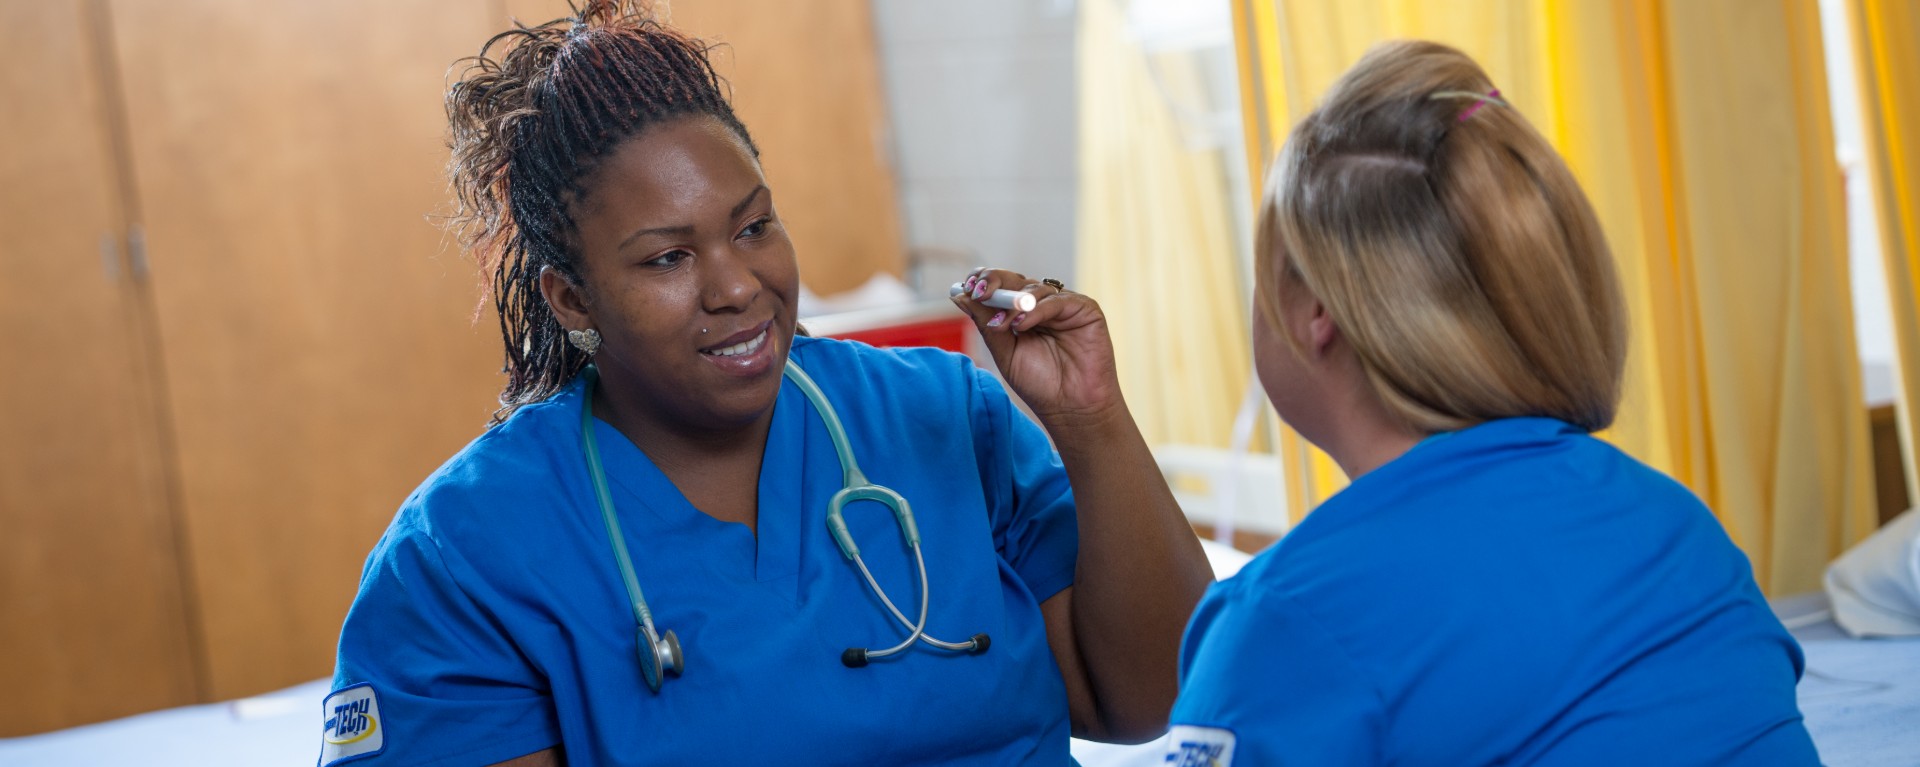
(197,454)
(318,329)
(93,623)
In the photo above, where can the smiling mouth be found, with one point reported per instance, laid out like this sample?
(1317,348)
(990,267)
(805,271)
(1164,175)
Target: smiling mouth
(743,348)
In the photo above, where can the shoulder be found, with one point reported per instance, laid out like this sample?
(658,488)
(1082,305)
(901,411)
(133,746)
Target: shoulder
(509,471)
(1522,507)
(1251,630)
(1272,586)
(1550,477)
(1274,590)
(1495,472)
(1487,496)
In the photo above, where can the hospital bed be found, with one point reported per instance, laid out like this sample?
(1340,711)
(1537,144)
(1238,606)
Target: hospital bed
(1861,699)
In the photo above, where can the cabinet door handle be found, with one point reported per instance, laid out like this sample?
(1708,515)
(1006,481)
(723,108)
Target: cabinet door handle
(137,251)
(110,256)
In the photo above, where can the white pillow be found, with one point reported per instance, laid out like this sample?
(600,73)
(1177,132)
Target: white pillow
(1875,586)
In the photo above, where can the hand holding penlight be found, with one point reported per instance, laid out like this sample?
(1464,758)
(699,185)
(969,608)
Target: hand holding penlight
(1016,300)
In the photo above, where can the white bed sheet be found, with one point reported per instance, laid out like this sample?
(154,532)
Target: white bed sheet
(280,729)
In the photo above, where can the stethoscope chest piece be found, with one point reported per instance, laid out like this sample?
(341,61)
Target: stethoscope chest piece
(659,656)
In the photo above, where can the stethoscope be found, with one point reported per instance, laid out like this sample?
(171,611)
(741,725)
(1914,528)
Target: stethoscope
(660,653)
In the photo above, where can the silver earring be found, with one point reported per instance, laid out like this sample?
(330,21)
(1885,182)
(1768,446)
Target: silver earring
(585,340)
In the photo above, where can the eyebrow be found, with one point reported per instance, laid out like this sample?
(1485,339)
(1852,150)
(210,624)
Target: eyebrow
(680,231)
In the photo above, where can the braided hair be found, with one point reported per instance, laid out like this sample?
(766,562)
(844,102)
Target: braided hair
(528,126)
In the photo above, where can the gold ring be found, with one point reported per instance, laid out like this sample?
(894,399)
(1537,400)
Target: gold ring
(1055,284)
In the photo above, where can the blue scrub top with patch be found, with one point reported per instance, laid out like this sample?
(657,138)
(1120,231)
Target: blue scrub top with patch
(491,621)
(1514,593)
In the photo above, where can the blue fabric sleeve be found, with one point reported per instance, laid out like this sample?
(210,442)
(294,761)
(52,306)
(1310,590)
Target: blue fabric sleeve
(1261,666)
(1025,484)
(453,687)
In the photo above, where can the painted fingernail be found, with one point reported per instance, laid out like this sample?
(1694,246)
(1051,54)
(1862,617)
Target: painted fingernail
(1018,317)
(998,317)
(980,291)
(971,279)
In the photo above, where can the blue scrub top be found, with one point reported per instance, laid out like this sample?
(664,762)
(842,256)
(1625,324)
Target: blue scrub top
(1515,593)
(491,621)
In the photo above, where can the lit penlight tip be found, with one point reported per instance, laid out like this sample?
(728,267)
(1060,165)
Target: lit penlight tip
(1016,300)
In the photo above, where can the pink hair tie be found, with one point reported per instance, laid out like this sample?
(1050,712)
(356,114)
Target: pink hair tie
(1479,99)
(1492,96)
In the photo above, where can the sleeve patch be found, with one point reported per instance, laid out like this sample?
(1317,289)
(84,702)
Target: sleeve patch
(353,728)
(1192,746)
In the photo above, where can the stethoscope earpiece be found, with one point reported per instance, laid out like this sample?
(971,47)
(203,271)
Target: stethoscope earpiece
(856,657)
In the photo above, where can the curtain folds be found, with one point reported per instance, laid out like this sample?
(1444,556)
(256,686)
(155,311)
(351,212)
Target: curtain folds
(1886,42)
(1155,236)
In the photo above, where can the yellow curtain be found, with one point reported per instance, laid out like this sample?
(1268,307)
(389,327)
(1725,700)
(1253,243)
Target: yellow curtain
(1155,240)
(1700,130)
(1886,43)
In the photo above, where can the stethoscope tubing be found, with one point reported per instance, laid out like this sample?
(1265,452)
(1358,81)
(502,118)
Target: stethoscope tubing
(853,480)
(637,599)
(917,627)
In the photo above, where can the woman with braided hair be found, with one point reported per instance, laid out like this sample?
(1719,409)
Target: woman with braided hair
(665,549)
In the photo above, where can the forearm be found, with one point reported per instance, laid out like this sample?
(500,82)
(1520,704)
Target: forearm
(1140,572)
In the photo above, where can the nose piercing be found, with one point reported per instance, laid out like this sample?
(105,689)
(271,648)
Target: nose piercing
(703,331)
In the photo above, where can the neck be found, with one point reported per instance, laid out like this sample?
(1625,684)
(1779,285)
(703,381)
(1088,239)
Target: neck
(1361,433)
(716,467)
(1369,446)
(668,437)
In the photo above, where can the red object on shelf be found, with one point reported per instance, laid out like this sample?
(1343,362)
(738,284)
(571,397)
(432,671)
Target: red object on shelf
(948,334)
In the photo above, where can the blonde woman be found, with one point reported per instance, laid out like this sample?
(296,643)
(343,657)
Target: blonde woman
(1438,312)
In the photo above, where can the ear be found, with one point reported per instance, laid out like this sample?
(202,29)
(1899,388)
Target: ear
(1320,330)
(567,300)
